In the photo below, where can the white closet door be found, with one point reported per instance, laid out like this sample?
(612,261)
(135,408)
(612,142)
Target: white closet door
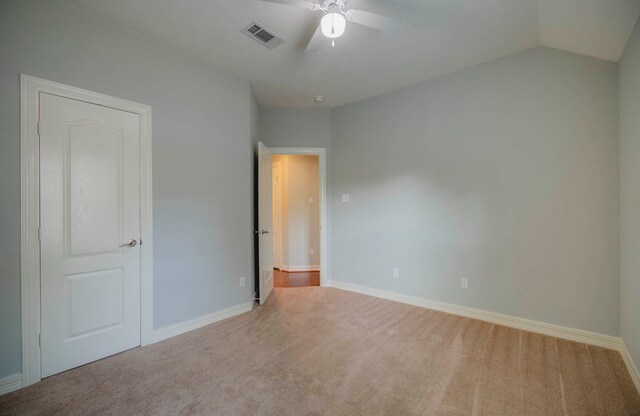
(90,232)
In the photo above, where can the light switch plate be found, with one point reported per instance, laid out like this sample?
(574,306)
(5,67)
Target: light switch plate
(345,197)
(396,272)
(310,200)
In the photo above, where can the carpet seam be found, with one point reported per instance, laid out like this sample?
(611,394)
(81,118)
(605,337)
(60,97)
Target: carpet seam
(562,388)
(476,389)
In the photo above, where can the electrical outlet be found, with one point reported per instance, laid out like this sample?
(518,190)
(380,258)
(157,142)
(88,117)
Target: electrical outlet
(464,283)
(243,282)
(396,272)
(312,251)
(310,200)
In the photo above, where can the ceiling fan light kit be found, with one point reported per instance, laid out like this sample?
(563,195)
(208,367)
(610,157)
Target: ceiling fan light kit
(333,24)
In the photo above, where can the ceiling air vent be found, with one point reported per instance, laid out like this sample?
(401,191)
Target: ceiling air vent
(262,35)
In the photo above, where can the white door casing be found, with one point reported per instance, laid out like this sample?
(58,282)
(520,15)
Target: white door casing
(265,217)
(82,260)
(89,207)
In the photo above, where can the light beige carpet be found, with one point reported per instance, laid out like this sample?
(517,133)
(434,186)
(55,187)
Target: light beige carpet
(322,351)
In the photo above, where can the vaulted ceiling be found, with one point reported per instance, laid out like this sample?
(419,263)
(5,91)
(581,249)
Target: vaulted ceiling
(434,38)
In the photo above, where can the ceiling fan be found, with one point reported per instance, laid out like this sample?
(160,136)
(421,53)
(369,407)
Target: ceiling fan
(336,15)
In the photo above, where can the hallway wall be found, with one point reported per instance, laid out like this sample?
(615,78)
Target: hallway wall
(300,212)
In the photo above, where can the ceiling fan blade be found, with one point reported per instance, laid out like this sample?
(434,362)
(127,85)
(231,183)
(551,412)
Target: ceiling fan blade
(416,14)
(305,4)
(315,41)
(372,20)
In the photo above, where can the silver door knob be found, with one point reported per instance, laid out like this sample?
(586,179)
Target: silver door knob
(131,243)
(260,232)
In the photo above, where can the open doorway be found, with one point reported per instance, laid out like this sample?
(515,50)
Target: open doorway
(318,256)
(296,220)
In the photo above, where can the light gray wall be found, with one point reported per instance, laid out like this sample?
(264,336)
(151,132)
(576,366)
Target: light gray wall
(295,127)
(202,156)
(283,238)
(629,86)
(299,127)
(255,120)
(505,173)
(303,218)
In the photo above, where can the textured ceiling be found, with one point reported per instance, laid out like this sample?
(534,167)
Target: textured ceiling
(436,37)
(598,28)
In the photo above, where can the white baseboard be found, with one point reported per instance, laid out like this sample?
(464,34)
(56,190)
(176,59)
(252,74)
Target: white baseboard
(577,335)
(182,327)
(10,383)
(311,268)
(631,365)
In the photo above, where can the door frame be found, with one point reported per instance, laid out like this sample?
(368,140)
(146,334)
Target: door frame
(30,89)
(321,152)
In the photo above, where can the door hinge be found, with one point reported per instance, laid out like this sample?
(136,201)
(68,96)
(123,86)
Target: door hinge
(38,127)
(39,340)
(39,234)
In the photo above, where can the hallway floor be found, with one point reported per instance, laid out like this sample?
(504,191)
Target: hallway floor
(295,279)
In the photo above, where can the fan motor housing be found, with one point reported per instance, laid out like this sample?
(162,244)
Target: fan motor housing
(334,6)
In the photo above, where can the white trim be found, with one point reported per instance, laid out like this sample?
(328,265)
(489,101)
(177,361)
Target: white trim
(182,327)
(310,268)
(631,365)
(30,89)
(10,383)
(321,152)
(577,335)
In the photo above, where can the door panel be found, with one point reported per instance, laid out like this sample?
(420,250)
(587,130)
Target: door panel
(265,218)
(95,301)
(94,191)
(90,206)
